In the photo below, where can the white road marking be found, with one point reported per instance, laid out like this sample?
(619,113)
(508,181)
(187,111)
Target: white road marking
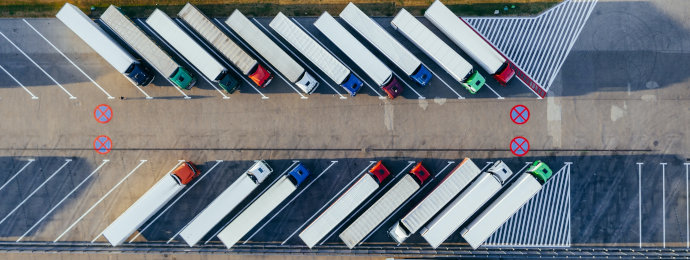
(663,200)
(639,198)
(275,39)
(288,203)
(442,81)
(419,96)
(175,201)
(152,32)
(62,200)
(18,172)
(70,60)
(39,67)
(492,90)
(98,202)
(35,190)
(20,84)
(337,58)
(261,58)
(687,209)
(329,202)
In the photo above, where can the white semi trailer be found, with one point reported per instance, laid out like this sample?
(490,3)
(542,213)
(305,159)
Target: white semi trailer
(467,204)
(146,48)
(449,187)
(105,46)
(372,66)
(439,51)
(509,202)
(268,49)
(323,60)
(220,207)
(386,44)
(469,41)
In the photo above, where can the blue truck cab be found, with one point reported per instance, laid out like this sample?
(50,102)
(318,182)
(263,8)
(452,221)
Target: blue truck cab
(352,84)
(422,76)
(140,74)
(298,174)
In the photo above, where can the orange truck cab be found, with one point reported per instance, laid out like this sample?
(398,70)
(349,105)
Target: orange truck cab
(185,173)
(261,76)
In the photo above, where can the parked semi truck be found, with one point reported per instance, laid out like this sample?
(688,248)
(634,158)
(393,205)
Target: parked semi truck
(225,202)
(191,50)
(384,206)
(467,204)
(509,202)
(469,41)
(268,49)
(105,46)
(263,205)
(344,205)
(146,48)
(445,191)
(386,44)
(439,51)
(149,203)
(315,53)
(247,65)
(372,66)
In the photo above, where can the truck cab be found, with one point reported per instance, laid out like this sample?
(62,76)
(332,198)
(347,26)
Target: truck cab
(504,74)
(474,82)
(261,76)
(500,171)
(393,88)
(298,174)
(185,173)
(307,83)
(420,173)
(182,78)
(259,171)
(380,172)
(140,74)
(352,84)
(422,76)
(540,171)
(228,82)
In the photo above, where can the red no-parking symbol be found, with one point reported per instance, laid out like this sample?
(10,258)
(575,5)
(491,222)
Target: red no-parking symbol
(519,146)
(103,113)
(102,144)
(519,114)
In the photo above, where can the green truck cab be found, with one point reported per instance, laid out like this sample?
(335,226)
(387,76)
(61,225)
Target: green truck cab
(474,82)
(182,78)
(541,171)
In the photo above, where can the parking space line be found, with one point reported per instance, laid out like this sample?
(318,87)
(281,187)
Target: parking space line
(39,67)
(275,39)
(419,96)
(18,172)
(663,200)
(403,204)
(492,90)
(365,204)
(329,201)
(151,32)
(337,58)
(246,206)
(687,209)
(68,59)
(17,81)
(99,201)
(288,203)
(238,39)
(639,198)
(175,201)
(35,190)
(442,81)
(62,200)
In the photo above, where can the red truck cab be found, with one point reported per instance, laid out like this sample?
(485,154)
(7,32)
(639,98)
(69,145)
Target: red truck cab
(420,173)
(380,172)
(186,172)
(393,89)
(261,76)
(504,74)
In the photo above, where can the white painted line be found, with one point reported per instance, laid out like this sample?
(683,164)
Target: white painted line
(34,191)
(20,84)
(70,60)
(250,203)
(175,201)
(18,172)
(194,34)
(251,84)
(329,202)
(151,32)
(266,63)
(275,39)
(540,40)
(492,90)
(554,38)
(442,81)
(337,58)
(687,209)
(663,200)
(639,198)
(288,203)
(366,203)
(39,67)
(98,202)
(400,79)
(62,200)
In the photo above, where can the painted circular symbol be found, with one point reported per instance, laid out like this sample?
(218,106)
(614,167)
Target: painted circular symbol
(519,114)
(102,144)
(519,146)
(103,113)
